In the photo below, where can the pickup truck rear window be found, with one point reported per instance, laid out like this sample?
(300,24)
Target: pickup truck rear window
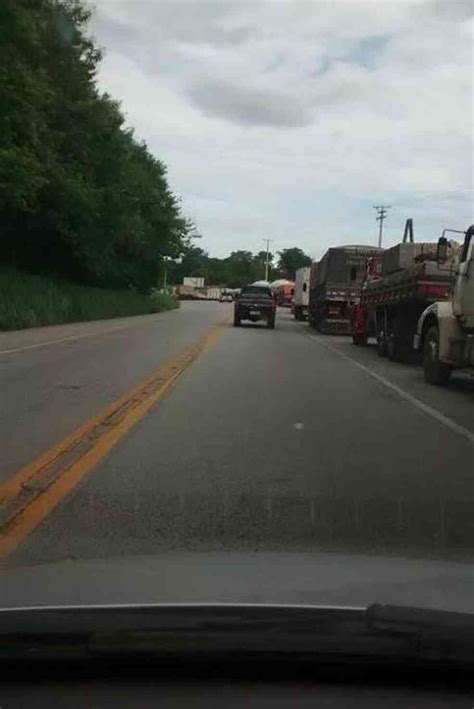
(257,290)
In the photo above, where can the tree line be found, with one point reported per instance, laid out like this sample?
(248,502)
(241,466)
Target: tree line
(239,268)
(80,197)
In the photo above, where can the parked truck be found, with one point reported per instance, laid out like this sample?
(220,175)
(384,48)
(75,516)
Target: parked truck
(301,295)
(398,285)
(445,330)
(284,291)
(335,284)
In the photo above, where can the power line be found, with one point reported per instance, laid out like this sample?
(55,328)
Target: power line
(381,216)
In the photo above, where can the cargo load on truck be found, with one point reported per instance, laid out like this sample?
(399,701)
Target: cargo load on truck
(397,290)
(335,284)
(283,290)
(191,292)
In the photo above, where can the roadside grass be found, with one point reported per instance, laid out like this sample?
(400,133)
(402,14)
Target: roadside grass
(31,301)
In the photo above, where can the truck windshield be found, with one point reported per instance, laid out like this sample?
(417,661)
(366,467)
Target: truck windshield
(232,368)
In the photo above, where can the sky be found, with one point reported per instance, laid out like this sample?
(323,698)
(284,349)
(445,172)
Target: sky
(291,120)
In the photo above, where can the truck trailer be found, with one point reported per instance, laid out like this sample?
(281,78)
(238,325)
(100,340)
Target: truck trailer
(335,284)
(301,296)
(398,285)
(284,293)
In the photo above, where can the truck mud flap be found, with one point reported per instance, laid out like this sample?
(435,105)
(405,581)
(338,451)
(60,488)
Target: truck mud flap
(335,327)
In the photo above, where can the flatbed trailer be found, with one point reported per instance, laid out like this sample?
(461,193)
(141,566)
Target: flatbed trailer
(389,306)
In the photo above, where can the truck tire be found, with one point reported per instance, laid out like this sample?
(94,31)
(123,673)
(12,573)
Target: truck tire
(312,320)
(236,320)
(381,346)
(271,322)
(436,372)
(393,348)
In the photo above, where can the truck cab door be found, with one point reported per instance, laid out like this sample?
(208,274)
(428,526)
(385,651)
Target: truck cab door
(463,300)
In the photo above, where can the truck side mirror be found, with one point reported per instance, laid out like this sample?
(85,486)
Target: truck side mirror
(442,250)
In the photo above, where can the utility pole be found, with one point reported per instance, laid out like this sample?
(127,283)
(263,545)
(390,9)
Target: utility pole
(267,241)
(165,277)
(381,215)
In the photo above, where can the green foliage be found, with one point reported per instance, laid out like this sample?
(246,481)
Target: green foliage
(28,301)
(236,270)
(291,260)
(79,196)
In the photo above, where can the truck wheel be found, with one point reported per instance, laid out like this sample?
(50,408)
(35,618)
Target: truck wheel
(436,372)
(381,346)
(271,322)
(236,320)
(393,348)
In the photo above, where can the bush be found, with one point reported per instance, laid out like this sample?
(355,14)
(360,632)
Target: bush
(30,301)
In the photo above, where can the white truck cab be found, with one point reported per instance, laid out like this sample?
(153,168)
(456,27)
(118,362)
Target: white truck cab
(445,330)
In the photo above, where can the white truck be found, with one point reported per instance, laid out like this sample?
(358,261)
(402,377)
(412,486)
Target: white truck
(301,294)
(445,330)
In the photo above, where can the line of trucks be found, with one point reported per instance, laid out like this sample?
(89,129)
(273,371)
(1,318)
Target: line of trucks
(415,299)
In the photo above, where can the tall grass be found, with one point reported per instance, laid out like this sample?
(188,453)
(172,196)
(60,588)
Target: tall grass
(30,301)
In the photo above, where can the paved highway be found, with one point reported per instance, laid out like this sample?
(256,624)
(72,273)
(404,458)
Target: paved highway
(275,440)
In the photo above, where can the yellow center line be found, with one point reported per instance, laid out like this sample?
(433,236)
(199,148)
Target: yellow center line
(36,489)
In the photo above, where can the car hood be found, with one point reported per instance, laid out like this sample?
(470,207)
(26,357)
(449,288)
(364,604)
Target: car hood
(282,578)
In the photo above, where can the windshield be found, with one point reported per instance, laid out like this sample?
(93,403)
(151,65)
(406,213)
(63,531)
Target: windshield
(258,290)
(163,439)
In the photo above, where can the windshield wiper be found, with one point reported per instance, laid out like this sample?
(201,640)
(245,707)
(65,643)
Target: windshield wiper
(380,633)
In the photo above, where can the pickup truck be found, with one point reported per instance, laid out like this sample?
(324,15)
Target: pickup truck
(255,303)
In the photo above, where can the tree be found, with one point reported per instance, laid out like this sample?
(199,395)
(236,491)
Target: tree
(79,195)
(194,262)
(291,260)
(241,268)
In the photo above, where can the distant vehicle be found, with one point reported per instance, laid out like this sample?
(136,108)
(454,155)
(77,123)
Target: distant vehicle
(191,292)
(301,295)
(445,330)
(284,291)
(213,293)
(335,287)
(398,286)
(255,303)
(262,283)
(228,295)
(193,281)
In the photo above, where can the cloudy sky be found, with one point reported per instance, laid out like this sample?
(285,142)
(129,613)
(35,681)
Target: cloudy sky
(290,120)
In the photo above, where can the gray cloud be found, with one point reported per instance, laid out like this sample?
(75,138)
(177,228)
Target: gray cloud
(168,21)
(293,118)
(247,105)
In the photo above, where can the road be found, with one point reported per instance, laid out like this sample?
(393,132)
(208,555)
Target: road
(275,440)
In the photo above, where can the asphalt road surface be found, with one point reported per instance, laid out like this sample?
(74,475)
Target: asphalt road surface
(270,440)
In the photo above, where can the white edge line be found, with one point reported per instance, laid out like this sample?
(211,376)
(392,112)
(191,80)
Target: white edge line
(429,410)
